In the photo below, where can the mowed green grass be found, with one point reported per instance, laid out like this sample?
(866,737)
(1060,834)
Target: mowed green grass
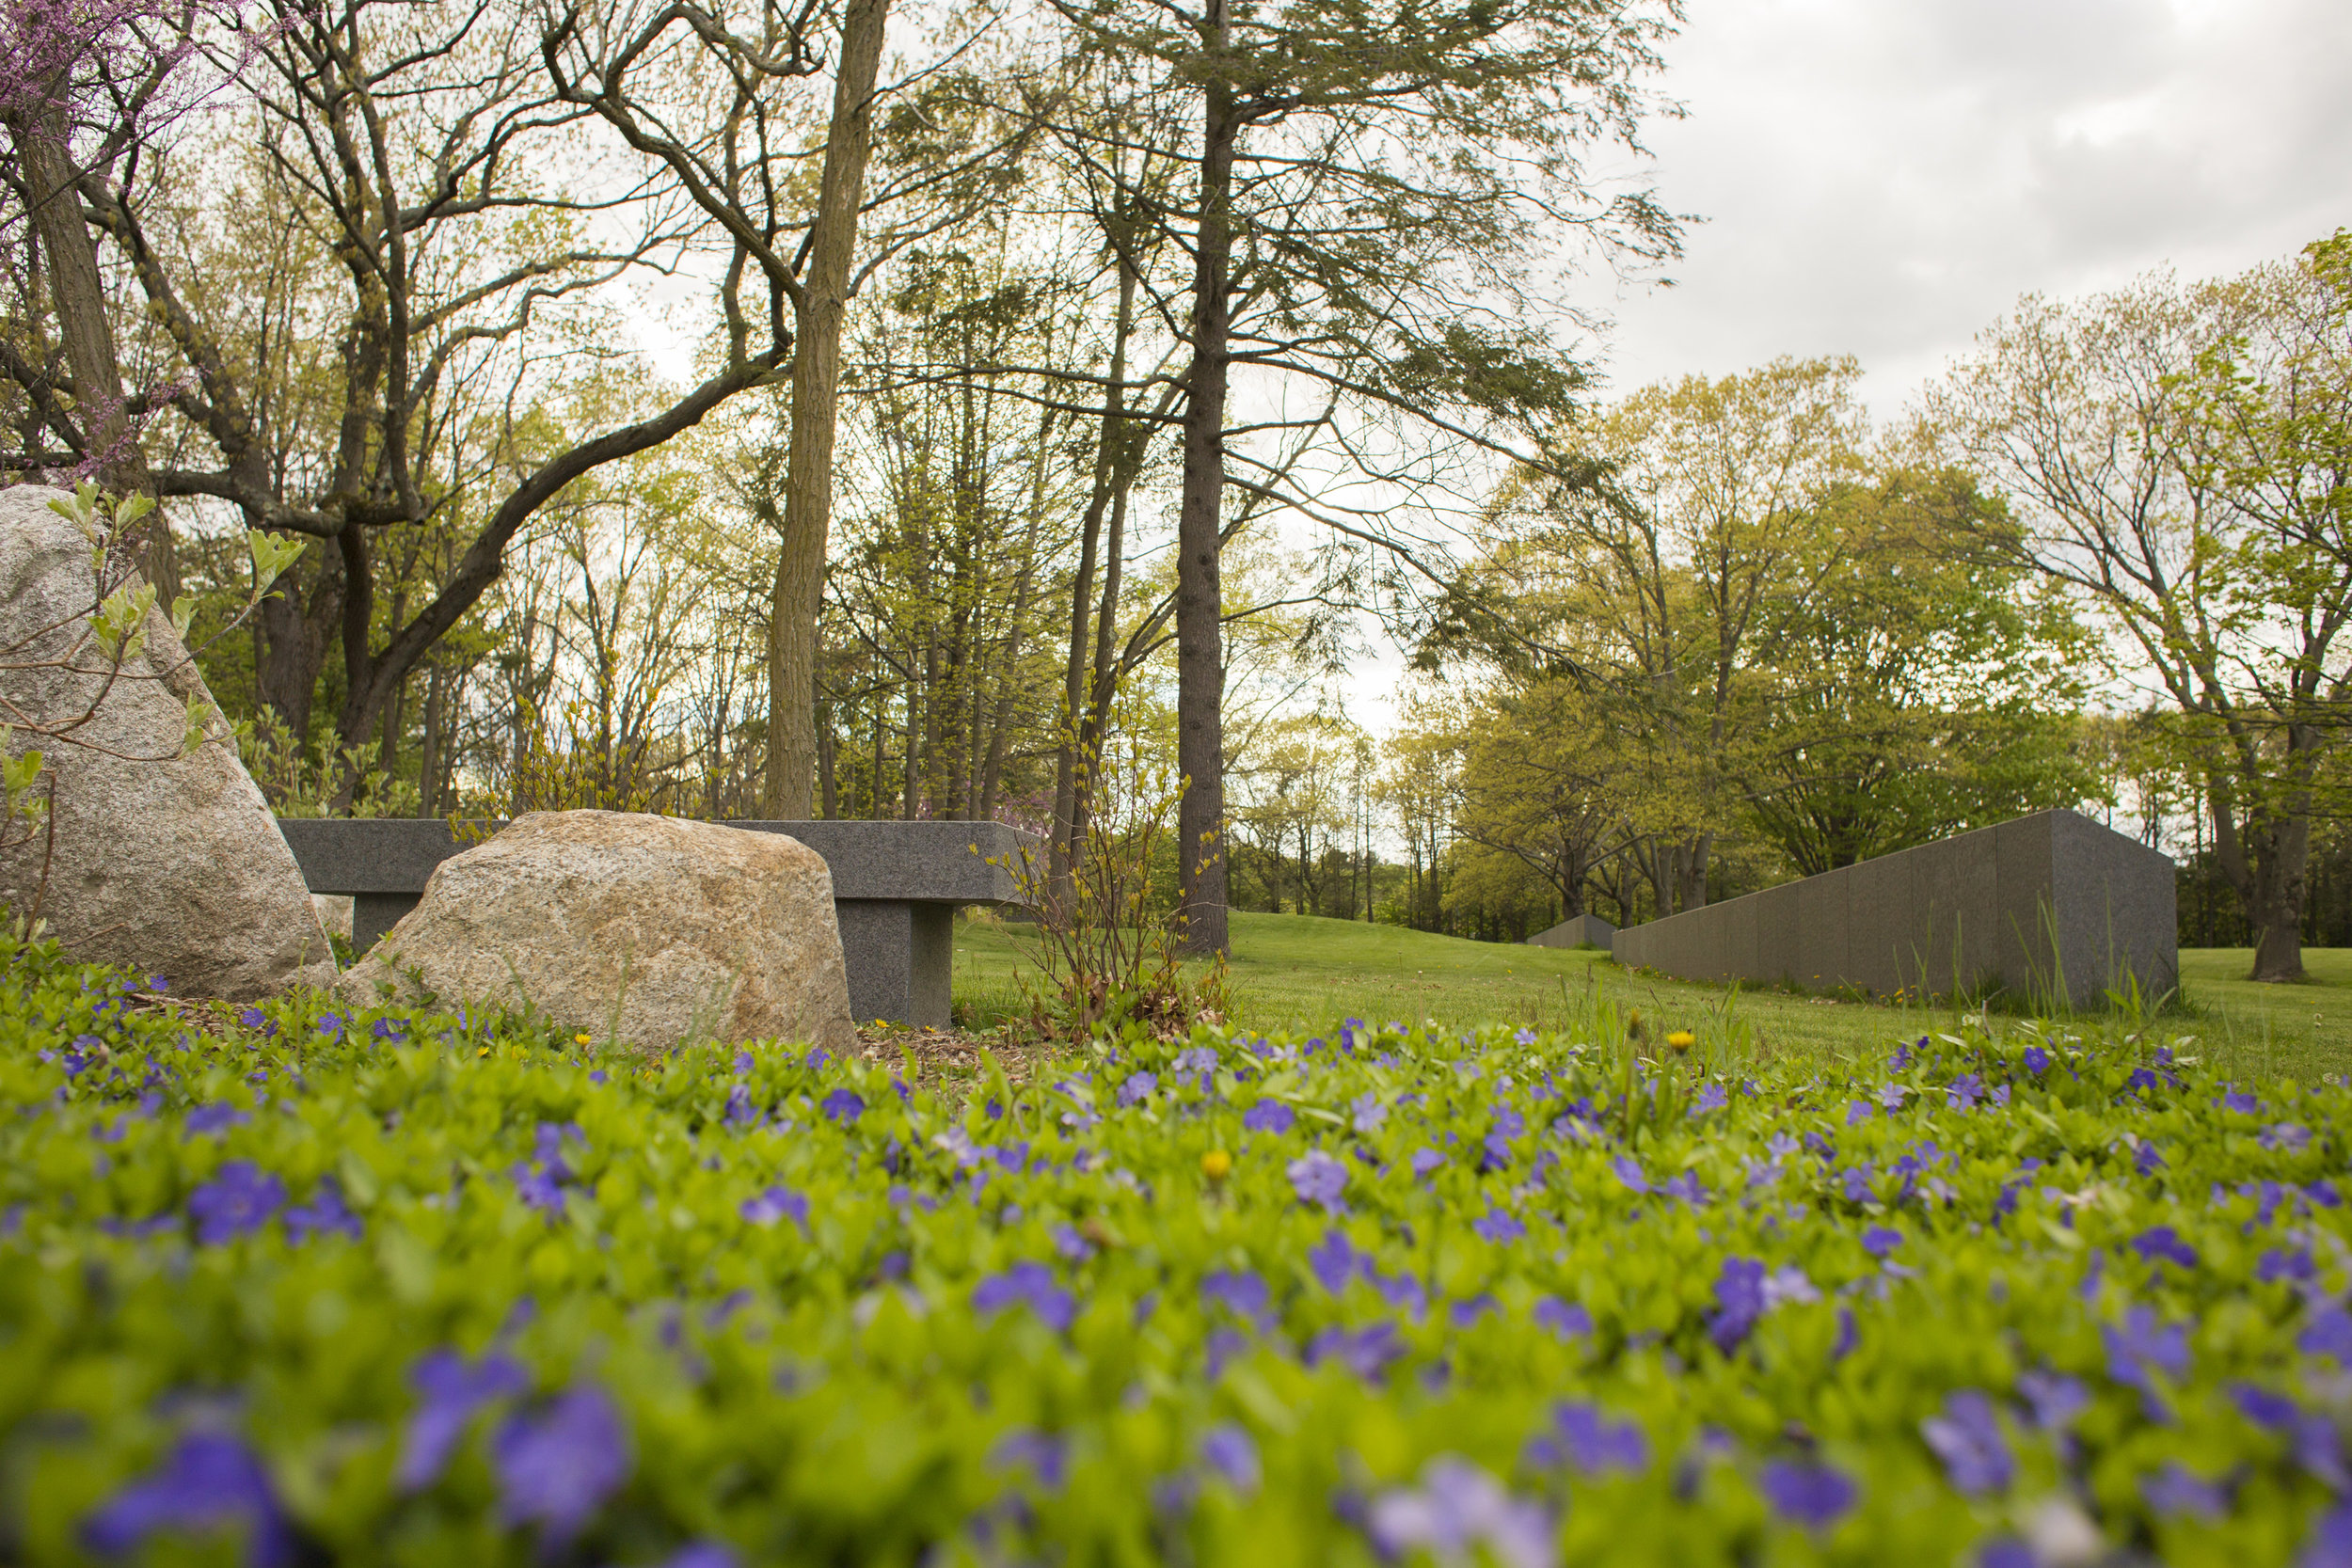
(1303,972)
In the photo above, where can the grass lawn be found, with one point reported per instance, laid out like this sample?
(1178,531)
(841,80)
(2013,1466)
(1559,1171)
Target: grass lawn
(1299,972)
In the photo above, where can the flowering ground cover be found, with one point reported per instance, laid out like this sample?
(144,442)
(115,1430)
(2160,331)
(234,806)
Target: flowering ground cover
(425,1288)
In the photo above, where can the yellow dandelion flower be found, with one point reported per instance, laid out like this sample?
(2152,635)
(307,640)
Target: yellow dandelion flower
(1681,1040)
(1216,1164)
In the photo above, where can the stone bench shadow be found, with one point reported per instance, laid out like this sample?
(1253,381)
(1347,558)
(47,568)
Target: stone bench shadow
(896,890)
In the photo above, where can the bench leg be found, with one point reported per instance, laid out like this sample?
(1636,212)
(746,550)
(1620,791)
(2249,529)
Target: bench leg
(374,914)
(901,958)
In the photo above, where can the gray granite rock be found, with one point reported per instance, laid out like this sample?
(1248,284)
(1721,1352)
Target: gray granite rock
(166,862)
(651,930)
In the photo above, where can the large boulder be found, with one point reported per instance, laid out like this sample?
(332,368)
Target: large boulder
(657,930)
(174,865)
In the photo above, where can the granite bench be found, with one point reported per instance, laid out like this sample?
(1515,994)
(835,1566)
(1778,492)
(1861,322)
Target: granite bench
(896,889)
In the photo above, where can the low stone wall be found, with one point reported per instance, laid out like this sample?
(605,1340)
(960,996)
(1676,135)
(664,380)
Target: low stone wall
(1581,931)
(2051,906)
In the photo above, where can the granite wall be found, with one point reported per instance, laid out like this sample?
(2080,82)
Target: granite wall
(2052,906)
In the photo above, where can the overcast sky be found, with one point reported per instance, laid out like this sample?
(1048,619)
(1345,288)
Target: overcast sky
(1883,178)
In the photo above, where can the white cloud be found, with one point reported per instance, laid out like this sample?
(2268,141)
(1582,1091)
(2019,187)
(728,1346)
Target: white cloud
(1883,179)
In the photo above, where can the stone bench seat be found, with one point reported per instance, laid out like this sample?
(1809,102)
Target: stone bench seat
(896,889)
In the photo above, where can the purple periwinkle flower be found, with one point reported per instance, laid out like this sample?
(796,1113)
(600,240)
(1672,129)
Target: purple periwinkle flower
(1269,1116)
(2165,1242)
(1426,1161)
(1892,1096)
(210,1481)
(1860,1111)
(1222,1346)
(2327,1333)
(1814,1495)
(1228,1450)
(1881,1241)
(2054,1398)
(1566,1319)
(1316,1178)
(1685,1187)
(1853,1184)
(1584,1440)
(236,1202)
(389,1029)
(1027,1284)
(556,1468)
(1739,1301)
(1965,1090)
(325,1214)
(1968,1438)
(1138,1088)
(1462,1314)
(2330,1544)
(1042,1453)
(450,1391)
(2281,1263)
(216,1118)
(330,1023)
(1711,1097)
(702,1553)
(2036,1060)
(1629,1172)
(1240,1293)
(2244,1104)
(2142,1342)
(1500,1226)
(1367,1351)
(1456,1507)
(844,1106)
(2176,1490)
(1335,1261)
(538,1189)
(1369,1114)
(2312,1438)
(777,1203)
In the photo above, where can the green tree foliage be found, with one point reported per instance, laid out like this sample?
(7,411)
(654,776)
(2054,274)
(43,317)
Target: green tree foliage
(1745,632)
(2179,458)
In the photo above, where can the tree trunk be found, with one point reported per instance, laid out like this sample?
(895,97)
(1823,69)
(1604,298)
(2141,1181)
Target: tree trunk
(1199,600)
(1070,758)
(2266,858)
(429,755)
(79,293)
(800,584)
